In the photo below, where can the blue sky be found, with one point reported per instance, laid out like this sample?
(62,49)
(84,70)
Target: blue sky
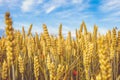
(104,13)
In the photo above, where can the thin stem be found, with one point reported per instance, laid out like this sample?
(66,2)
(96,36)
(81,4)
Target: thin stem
(13,72)
(22,77)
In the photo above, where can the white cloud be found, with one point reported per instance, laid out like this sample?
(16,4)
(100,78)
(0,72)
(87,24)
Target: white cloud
(77,1)
(40,1)
(28,5)
(1,1)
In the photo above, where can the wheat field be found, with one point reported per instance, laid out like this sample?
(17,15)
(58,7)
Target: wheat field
(88,56)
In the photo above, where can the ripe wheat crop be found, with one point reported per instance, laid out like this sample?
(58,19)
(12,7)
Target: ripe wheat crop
(88,56)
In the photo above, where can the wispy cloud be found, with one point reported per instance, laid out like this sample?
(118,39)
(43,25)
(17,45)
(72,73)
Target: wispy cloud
(78,6)
(9,3)
(74,14)
(52,5)
(115,13)
(111,10)
(50,9)
(110,5)
(110,19)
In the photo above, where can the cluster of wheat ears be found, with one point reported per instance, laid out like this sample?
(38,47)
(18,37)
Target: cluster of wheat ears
(88,56)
